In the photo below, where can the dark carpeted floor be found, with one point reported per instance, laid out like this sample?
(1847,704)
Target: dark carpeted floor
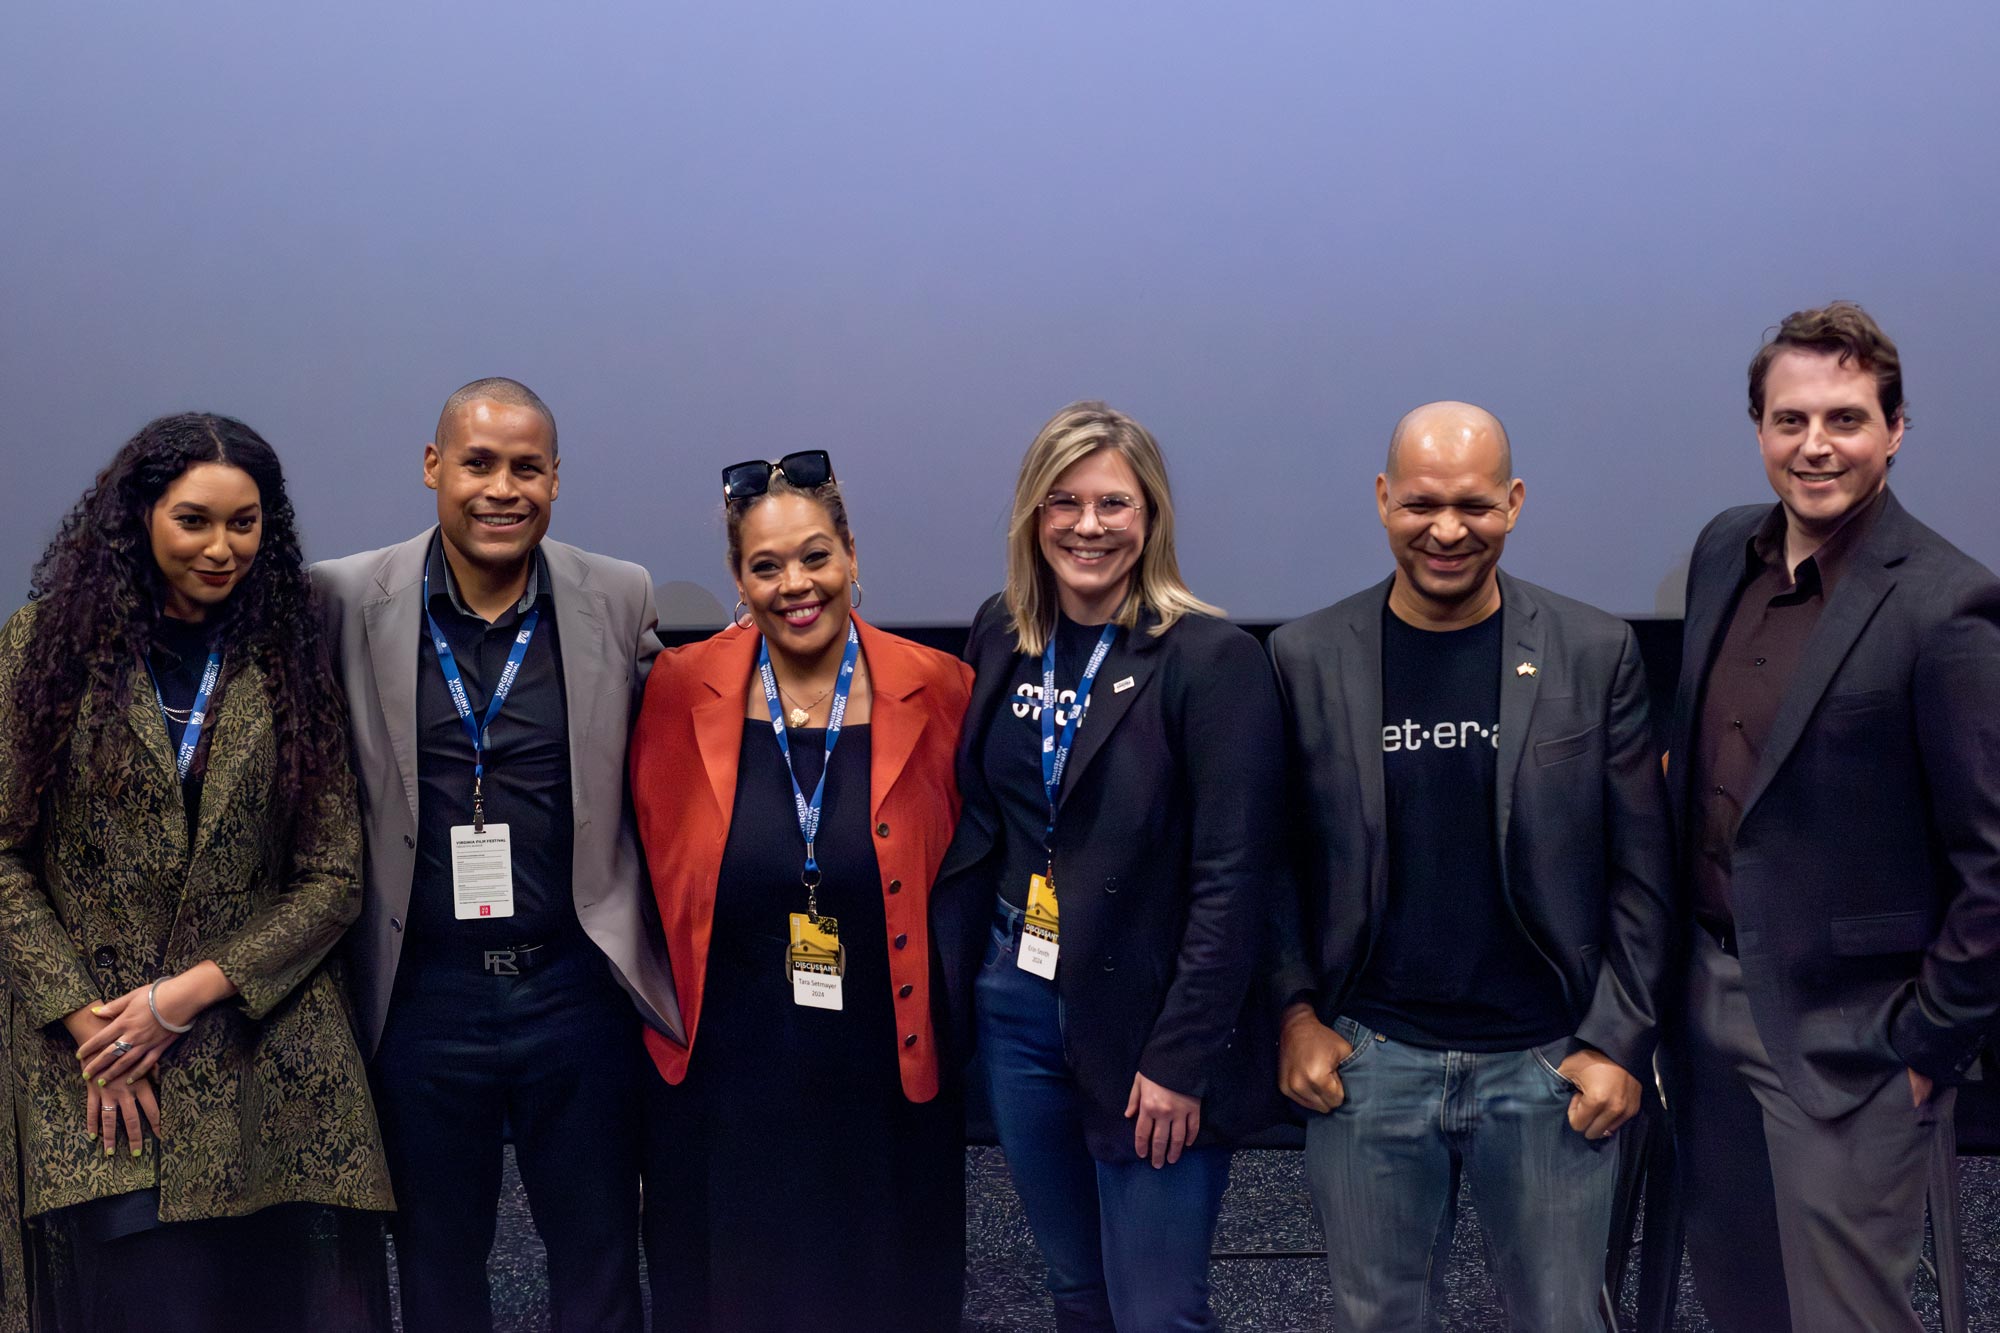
(1264,1214)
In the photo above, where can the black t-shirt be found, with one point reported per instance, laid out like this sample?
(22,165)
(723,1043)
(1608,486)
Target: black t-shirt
(1012,758)
(1452,968)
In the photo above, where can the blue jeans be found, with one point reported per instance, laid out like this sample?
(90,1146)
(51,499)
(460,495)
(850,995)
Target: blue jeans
(1126,1245)
(1384,1170)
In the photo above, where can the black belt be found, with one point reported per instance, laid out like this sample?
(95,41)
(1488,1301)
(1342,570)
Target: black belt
(1722,932)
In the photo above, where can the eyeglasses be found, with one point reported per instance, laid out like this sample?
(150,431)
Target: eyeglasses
(1114,512)
(805,470)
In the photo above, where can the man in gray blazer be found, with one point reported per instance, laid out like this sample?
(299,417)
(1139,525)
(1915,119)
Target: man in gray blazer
(1480,845)
(505,938)
(1836,781)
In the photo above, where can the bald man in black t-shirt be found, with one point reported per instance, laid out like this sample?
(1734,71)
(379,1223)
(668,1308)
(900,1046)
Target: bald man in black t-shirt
(1481,846)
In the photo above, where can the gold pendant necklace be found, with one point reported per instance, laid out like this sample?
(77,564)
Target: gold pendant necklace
(799,716)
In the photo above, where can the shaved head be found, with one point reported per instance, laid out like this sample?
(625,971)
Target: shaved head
(1447,499)
(494,389)
(1457,430)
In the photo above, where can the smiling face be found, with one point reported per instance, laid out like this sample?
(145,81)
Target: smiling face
(1093,566)
(494,471)
(1825,441)
(794,574)
(1448,506)
(205,529)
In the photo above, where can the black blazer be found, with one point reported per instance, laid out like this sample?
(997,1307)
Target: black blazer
(1865,877)
(1581,813)
(1166,848)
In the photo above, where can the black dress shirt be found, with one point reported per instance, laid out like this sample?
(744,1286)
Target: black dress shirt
(1775,614)
(527,782)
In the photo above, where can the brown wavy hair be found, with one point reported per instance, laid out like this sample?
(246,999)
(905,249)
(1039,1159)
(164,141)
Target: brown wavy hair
(99,592)
(1841,329)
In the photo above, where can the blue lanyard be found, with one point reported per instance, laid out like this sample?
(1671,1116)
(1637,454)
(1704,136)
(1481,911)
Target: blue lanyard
(197,716)
(477,731)
(808,811)
(1055,754)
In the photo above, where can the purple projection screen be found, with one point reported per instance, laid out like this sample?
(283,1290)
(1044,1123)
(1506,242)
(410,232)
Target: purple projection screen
(907,232)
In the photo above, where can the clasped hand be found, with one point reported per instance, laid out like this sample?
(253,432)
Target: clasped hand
(128,1019)
(129,1104)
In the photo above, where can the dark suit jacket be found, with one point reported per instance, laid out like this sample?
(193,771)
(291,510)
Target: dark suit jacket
(1166,852)
(1581,815)
(1865,878)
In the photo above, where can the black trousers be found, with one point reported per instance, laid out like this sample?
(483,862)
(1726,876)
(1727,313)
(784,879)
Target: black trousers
(549,1057)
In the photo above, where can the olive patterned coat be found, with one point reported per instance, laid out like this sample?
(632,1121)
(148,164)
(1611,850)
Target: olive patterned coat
(266,1101)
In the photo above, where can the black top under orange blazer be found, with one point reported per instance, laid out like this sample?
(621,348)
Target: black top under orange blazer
(684,759)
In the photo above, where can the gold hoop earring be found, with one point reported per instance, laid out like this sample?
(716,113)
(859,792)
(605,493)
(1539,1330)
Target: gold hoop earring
(739,615)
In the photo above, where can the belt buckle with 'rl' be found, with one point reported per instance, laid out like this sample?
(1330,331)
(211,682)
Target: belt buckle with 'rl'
(500,962)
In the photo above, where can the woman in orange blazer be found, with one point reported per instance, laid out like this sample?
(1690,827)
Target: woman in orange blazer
(805,1159)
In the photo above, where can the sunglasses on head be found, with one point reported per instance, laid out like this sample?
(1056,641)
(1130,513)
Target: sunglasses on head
(806,469)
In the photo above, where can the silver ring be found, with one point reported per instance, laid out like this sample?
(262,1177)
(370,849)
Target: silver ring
(122,1046)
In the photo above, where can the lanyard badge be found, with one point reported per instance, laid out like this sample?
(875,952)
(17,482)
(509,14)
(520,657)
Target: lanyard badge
(815,959)
(1040,930)
(197,715)
(482,861)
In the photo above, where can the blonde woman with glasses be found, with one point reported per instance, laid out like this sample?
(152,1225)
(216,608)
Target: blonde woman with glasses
(1100,913)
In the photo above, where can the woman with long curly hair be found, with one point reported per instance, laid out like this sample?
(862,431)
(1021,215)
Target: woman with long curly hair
(179,852)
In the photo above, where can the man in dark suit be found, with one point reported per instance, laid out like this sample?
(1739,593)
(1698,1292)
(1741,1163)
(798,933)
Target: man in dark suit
(1482,854)
(1836,786)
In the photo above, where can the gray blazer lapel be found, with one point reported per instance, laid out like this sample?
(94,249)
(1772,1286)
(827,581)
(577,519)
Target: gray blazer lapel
(580,628)
(390,622)
(1847,613)
(1521,633)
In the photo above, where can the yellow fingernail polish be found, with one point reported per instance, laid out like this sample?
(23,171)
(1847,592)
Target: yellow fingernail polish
(135,1152)
(102,1084)
(107,1150)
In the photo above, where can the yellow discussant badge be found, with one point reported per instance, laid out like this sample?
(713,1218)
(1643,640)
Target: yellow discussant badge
(1040,932)
(1042,904)
(815,961)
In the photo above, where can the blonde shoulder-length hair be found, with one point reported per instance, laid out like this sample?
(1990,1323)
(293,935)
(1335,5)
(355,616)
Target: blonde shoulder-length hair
(1071,435)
